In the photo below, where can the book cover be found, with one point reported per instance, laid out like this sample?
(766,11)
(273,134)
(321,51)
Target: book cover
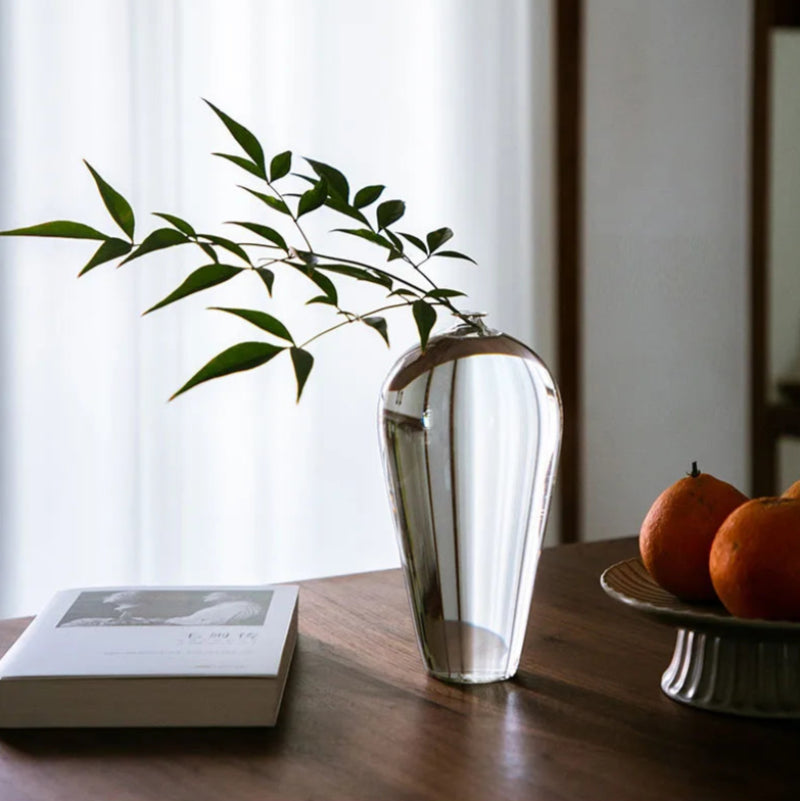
(152,656)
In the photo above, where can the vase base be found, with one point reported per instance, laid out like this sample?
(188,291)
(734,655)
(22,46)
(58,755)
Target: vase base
(471,678)
(461,653)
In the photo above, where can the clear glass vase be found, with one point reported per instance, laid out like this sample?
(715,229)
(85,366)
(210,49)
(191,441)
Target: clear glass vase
(470,434)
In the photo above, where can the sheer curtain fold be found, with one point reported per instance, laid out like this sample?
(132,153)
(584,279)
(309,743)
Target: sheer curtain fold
(102,481)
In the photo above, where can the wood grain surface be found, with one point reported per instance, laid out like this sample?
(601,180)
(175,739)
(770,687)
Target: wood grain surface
(584,718)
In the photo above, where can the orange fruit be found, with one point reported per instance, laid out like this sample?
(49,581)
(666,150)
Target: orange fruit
(755,560)
(793,491)
(676,535)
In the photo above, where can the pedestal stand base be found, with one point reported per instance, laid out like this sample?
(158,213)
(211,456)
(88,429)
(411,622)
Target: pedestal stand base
(740,676)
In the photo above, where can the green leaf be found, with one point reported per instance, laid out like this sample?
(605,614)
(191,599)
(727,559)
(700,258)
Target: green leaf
(367,195)
(326,285)
(303,361)
(64,229)
(266,322)
(394,254)
(306,256)
(280,165)
(313,198)
(270,234)
(202,278)
(246,140)
(244,356)
(231,247)
(180,224)
(444,293)
(244,163)
(370,236)
(268,277)
(331,296)
(110,249)
(390,212)
(335,180)
(379,324)
(438,237)
(359,273)
(415,241)
(454,254)
(324,299)
(339,205)
(158,240)
(425,317)
(272,202)
(404,293)
(208,250)
(119,208)
(395,240)
(276,204)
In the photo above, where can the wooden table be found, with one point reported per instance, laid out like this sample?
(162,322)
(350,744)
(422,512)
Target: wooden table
(584,718)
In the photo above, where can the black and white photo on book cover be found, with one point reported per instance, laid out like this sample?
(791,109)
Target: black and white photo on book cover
(148,607)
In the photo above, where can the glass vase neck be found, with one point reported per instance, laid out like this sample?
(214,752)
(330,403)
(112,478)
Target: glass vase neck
(470,324)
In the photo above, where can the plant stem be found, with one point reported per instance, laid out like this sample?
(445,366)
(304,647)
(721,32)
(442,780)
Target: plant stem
(292,215)
(354,319)
(351,262)
(442,301)
(445,302)
(377,270)
(260,245)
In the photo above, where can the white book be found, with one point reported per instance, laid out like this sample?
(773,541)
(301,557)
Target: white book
(152,656)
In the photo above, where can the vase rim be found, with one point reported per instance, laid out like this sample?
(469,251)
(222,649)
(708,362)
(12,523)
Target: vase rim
(470,323)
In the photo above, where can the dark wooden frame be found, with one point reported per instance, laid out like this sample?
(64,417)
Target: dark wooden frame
(762,459)
(769,420)
(568,200)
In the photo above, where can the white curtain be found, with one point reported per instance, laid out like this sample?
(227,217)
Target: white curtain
(102,481)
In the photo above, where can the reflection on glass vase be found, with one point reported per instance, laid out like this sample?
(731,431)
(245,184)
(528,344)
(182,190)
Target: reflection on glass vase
(470,433)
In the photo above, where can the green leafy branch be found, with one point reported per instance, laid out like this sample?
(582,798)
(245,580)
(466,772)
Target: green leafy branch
(401,275)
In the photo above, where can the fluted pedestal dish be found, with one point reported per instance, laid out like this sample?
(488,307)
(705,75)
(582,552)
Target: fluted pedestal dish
(720,663)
